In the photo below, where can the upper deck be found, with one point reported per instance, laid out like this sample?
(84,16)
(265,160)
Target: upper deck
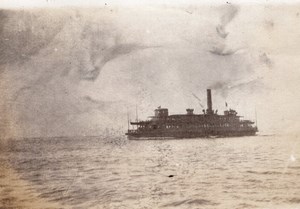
(209,116)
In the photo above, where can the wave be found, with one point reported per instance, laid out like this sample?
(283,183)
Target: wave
(294,200)
(294,167)
(190,202)
(266,172)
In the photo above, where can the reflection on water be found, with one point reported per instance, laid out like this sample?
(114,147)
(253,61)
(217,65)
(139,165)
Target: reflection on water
(248,172)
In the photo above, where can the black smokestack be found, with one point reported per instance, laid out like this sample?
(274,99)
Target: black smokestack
(209,102)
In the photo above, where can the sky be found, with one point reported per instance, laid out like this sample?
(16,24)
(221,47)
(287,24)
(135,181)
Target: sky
(74,70)
(93,3)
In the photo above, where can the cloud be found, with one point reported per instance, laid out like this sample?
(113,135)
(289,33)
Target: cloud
(221,46)
(52,85)
(230,12)
(96,104)
(222,51)
(265,59)
(60,86)
(23,34)
(108,55)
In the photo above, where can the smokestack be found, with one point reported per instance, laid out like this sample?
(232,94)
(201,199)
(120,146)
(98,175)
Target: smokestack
(209,102)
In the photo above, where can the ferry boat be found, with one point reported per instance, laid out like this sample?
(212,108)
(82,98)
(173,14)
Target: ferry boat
(191,125)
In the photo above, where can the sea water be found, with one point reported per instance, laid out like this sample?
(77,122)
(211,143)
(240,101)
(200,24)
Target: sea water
(97,172)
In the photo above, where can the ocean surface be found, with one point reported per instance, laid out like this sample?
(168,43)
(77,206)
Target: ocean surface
(95,172)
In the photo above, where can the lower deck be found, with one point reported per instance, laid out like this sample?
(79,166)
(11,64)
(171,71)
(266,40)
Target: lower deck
(192,133)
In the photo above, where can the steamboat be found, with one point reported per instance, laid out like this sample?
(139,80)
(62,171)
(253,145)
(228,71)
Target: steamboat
(190,125)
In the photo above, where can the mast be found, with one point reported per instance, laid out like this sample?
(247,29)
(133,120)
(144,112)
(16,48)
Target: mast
(136,113)
(199,100)
(127,119)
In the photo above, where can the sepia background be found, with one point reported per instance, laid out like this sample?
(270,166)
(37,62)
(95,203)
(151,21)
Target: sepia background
(74,70)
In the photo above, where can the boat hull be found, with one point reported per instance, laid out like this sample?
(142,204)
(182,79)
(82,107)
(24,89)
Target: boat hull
(188,134)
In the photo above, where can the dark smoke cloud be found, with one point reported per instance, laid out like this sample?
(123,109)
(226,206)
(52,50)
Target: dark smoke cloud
(251,85)
(220,85)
